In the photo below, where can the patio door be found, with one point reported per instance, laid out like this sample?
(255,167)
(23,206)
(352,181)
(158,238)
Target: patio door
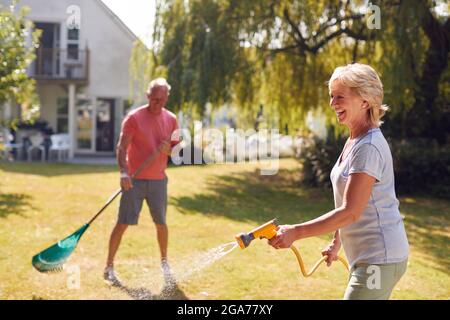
(105,125)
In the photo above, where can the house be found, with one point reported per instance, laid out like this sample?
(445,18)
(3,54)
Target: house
(81,71)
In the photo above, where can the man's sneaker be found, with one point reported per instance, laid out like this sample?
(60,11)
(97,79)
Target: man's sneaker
(110,277)
(169,279)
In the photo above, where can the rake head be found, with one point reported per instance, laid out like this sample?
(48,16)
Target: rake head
(53,258)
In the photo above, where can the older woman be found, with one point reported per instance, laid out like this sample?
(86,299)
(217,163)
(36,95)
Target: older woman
(366,219)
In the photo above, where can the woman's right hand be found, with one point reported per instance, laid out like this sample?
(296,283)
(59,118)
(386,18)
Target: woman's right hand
(331,252)
(125,183)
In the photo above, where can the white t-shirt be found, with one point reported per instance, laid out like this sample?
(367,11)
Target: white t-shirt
(378,236)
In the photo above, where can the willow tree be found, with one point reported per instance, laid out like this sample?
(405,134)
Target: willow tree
(279,53)
(416,44)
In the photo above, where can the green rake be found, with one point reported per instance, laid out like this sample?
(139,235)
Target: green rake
(53,258)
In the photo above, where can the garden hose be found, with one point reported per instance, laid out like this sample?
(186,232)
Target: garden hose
(318,263)
(268,231)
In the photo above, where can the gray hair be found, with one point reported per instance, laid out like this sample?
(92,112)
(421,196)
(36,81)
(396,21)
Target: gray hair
(364,80)
(158,82)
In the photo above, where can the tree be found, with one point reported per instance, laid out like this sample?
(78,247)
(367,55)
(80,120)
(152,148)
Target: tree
(416,45)
(434,66)
(279,53)
(17,51)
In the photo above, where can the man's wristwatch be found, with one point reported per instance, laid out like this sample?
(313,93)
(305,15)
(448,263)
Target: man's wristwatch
(124,175)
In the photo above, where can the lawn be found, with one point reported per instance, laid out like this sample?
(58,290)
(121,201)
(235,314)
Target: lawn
(208,205)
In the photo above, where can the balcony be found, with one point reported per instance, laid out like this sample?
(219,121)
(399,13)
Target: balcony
(60,66)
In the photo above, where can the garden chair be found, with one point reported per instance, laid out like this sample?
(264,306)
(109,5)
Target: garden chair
(60,145)
(36,143)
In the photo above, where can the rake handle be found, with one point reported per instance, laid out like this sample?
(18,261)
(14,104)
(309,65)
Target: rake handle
(149,160)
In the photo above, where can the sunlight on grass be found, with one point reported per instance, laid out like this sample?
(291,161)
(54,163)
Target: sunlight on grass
(208,205)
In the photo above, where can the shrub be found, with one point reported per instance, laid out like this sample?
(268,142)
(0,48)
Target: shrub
(318,157)
(420,165)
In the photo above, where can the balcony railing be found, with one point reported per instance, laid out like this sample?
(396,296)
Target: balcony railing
(56,65)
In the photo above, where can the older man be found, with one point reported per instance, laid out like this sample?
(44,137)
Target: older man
(146,131)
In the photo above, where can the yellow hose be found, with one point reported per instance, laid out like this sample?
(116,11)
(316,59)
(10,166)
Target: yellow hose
(302,265)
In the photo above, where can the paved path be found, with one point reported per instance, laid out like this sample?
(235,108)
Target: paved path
(93,160)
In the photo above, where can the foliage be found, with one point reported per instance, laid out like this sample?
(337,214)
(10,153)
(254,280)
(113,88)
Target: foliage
(421,166)
(318,157)
(279,54)
(17,48)
(415,69)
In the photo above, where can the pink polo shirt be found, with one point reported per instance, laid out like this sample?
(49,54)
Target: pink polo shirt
(147,132)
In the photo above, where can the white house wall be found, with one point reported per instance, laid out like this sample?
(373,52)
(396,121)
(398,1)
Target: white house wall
(48,96)
(110,50)
(109,42)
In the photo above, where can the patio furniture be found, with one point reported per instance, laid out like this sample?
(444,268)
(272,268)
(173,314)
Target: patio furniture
(60,145)
(11,150)
(36,143)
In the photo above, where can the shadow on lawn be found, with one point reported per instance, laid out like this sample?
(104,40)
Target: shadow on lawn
(255,198)
(13,203)
(427,224)
(55,169)
(169,292)
(252,197)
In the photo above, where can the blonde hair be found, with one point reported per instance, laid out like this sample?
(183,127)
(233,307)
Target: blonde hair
(158,82)
(364,80)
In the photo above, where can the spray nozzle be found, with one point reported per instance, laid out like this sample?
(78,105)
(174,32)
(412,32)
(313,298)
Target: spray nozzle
(267,230)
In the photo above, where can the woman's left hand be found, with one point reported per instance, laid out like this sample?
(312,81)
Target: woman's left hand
(284,238)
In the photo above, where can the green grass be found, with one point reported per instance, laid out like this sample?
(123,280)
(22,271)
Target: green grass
(208,205)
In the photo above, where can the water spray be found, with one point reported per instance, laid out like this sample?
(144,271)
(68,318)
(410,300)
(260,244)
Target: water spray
(269,230)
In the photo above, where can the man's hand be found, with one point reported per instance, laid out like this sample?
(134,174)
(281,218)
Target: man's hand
(165,147)
(284,238)
(125,183)
(331,252)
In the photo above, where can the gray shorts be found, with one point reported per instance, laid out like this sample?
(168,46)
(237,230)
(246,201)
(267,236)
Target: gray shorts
(155,194)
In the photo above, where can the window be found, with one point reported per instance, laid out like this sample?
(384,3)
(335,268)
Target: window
(72,52)
(62,116)
(73,34)
(73,41)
